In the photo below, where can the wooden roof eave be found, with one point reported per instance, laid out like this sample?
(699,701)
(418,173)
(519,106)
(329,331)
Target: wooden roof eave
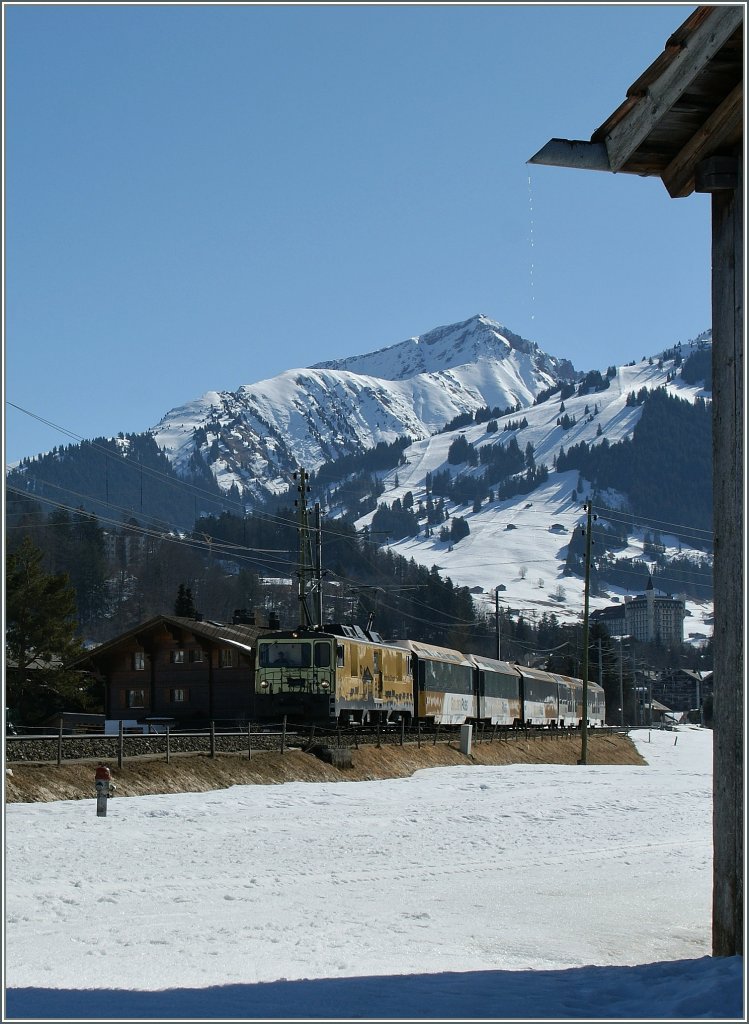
(631,123)
(622,143)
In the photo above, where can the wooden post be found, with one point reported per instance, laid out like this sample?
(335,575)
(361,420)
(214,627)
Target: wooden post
(418,733)
(59,743)
(403,730)
(213,738)
(249,741)
(167,745)
(283,734)
(728,572)
(586,626)
(121,744)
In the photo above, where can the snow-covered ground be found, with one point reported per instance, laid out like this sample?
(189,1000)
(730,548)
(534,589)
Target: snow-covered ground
(478,892)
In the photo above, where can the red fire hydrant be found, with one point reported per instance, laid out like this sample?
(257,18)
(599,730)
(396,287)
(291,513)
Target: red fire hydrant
(103,784)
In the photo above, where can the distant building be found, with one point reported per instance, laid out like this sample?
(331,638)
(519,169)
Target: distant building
(683,688)
(651,616)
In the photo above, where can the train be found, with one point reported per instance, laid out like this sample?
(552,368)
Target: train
(344,675)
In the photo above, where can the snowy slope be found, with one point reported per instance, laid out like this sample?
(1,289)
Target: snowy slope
(510,542)
(523,891)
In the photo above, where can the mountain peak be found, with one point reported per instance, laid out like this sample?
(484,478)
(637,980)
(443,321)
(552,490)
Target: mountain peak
(446,347)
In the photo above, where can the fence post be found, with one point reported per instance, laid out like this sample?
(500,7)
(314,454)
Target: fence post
(378,732)
(418,733)
(356,737)
(436,734)
(213,738)
(121,744)
(283,735)
(403,729)
(249,741)
(59,744)
(167,745)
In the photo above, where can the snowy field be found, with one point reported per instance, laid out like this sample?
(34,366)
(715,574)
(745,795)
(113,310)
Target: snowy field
(476,892)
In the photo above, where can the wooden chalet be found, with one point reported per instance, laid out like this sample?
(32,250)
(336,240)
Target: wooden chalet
(683,121)
(186,671)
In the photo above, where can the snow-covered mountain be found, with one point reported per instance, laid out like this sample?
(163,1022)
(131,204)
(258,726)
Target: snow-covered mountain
(473,387)
(256,436)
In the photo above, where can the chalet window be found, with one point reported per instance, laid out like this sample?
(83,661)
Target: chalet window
(196,654)
(139,661)
(177,657)
(177,696)
(226,657)
(136,698)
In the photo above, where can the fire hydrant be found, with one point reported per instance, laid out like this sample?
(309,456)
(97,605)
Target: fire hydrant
(104,789)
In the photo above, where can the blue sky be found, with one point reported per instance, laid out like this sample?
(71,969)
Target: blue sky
(200,197)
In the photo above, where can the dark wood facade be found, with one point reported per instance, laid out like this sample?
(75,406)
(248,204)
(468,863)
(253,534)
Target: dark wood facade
(190,671)
(683,121)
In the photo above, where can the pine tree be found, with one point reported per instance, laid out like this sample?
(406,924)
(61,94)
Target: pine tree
(40,632)
(184,606)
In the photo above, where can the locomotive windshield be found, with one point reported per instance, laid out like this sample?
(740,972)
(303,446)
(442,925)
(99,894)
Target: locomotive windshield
(285,654)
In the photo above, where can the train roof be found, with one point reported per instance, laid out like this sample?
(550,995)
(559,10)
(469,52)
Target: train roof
(536,673)
(577,682)
(351,632)
(493,665)
(426,650)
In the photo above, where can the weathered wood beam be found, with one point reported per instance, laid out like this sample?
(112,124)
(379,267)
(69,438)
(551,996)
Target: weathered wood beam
(729,707)
(623,138)
(721,128)
(590,156)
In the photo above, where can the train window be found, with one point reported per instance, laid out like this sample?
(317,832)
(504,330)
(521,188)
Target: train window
(339,655)
(322,655)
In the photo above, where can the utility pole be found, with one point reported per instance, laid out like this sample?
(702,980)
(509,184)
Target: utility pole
(308,578)
(638,716)
(621,681)
(318,562)
(588,530)
(496,607)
